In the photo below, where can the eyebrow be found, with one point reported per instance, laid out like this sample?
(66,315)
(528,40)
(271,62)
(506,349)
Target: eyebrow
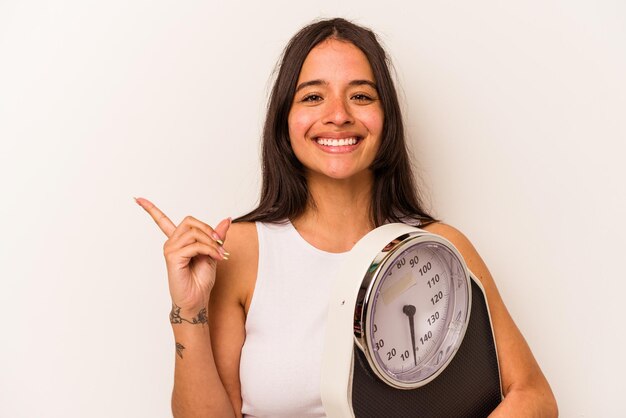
(322,82)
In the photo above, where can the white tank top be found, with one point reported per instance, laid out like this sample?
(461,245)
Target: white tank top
(285,327)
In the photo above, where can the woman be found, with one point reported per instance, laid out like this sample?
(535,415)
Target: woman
(335,166)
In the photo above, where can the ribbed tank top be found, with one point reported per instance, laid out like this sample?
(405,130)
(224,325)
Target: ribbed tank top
(285,327)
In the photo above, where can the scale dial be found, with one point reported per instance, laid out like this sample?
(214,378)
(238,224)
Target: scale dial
(412,309)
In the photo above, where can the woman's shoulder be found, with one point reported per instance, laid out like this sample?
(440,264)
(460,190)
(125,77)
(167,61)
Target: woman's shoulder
(241,236)
(242,245)
(473,260)
(236,276)
(452,234)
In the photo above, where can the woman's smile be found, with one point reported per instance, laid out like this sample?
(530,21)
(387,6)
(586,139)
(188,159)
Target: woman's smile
(338,143)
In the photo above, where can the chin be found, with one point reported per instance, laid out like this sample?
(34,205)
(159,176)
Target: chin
(345,173)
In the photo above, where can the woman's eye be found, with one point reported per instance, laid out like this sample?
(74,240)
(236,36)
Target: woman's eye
(362,97)
(312,98)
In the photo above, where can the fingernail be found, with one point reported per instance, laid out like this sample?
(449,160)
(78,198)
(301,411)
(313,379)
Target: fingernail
(217,238)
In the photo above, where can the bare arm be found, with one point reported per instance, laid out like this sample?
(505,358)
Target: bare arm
(526,390)
(229,304)
(198,390)
(192,251)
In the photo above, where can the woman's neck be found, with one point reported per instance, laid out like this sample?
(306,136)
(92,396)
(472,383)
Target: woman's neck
(338,214)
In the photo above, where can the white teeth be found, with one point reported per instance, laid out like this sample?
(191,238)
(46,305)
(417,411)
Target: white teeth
(336,142)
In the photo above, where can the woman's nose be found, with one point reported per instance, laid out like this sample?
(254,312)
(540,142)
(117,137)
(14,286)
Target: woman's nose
(338,113)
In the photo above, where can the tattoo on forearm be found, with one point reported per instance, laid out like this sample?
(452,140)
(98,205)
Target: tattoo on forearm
(179,350)
(175,317)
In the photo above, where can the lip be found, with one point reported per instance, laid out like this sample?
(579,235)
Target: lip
(337,135)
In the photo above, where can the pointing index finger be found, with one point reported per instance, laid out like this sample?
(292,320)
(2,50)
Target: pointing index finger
(166,225)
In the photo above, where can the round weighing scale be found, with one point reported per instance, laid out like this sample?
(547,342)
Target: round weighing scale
(408,332)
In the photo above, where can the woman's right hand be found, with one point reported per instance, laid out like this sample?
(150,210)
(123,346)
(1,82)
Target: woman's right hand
(191,253)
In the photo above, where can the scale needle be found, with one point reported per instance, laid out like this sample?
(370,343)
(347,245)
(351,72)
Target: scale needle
(409,310)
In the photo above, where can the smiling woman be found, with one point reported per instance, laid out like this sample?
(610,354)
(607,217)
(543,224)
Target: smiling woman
(335,166)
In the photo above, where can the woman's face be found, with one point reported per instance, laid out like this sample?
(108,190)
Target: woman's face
(336,119)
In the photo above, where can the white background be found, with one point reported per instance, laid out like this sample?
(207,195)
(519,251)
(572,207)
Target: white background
(516,113)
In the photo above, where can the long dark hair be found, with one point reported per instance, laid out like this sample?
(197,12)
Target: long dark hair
(284,192)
